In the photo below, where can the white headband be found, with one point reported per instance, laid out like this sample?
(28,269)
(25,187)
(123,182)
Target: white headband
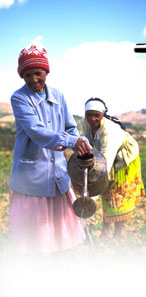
(95,105)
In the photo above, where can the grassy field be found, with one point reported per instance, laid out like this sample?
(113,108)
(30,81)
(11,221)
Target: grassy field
(134,237)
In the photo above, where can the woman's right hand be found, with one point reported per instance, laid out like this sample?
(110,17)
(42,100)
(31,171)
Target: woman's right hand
(82,147)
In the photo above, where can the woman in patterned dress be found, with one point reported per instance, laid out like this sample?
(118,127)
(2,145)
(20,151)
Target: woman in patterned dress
(121,152)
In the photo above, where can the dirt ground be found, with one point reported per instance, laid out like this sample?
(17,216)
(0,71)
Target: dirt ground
(132,242)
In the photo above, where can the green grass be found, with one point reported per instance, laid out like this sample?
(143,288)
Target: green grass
(5,169)
(143,164)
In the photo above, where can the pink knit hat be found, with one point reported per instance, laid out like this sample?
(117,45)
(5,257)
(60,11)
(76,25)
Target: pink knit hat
(31,57)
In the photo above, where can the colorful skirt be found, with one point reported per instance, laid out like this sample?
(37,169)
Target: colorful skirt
(123,193)
(44,224)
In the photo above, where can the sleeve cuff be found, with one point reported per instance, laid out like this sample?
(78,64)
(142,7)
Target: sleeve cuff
(71,141)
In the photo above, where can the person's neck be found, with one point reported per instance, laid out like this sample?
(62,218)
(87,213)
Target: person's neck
(94,130)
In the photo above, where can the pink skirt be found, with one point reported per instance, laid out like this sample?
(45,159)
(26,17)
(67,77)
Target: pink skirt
(44,224)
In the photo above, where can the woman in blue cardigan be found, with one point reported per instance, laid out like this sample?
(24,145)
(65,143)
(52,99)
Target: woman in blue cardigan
(41,214)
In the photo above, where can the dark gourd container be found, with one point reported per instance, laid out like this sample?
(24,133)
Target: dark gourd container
(97,172)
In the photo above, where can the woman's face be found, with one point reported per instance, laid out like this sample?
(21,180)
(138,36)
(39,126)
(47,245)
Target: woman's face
(93,118)
(35,78)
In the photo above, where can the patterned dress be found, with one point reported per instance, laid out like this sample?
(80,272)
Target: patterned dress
(123,166)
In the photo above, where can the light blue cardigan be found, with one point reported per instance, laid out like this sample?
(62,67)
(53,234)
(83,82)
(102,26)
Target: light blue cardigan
(41,125)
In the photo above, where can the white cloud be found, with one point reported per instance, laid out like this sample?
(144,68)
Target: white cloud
(9,3)
(38,38)
(6,3)
(111,71)
(11,78)
(21,1)
(144,31)
(38,41)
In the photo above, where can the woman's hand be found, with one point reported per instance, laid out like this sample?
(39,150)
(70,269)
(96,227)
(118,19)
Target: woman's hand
(82,147)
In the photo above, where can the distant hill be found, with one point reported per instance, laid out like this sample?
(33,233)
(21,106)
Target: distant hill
(6,113)
(133,117)
(5,108)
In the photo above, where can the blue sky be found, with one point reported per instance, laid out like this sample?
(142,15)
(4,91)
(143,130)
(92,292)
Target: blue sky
(65,24)
(89,43)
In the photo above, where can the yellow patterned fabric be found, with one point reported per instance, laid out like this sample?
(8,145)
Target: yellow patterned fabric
(122,194)
(125,181)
